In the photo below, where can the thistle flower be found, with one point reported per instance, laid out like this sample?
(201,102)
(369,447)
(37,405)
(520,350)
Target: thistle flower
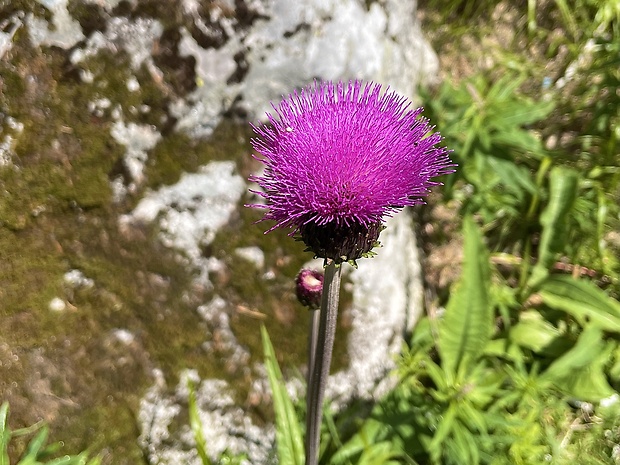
(341,158)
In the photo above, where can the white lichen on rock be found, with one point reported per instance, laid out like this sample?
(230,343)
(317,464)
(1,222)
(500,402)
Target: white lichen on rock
(138,140)
(221,339)
(253,255)
(8,28)
(226,427)
(135,37)
(57,305)
(190,212)
(76,279)
(65,31)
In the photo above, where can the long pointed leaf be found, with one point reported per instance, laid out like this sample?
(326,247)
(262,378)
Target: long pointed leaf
(467,324)
(563,191)
(288,431)
(5,434)
(196,427)
(588,345)
(35,445)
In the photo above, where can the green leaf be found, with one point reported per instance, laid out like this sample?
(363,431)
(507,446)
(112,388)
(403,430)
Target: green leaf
(66,460)
(380,453)
(503,349)
(465,445)
(34,447)
(516,178)
(467,324)
(582,300)
(448,422)
(533,331)
(591,382)
(196,426)
(589,346)
(368,448)
(554,219)
(288,431)
(5,434)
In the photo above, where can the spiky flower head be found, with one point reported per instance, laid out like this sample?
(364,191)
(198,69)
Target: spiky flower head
(339,159)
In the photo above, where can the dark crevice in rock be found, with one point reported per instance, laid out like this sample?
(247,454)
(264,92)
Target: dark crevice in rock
(237,112)
(242,68)
(92,17)
(209,34)
(246,15)
(179,71)
(300,27)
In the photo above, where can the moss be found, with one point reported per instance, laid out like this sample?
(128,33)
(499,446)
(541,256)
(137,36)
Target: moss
(29,278)
(63,156)
(177,153)
(57,215)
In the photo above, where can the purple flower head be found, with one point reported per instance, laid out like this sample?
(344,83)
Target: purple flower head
(339,159)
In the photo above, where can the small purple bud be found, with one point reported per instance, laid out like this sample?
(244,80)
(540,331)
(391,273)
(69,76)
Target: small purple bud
(309,287)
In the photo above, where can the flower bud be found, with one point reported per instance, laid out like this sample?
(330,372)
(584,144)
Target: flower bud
(309,287)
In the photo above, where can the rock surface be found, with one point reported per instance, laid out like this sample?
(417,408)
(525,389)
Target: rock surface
(123,158)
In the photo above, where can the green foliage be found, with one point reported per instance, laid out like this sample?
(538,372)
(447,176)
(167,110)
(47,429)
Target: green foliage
(486,124)
(498,395)
(554,218)
(36,452)
(466,325)
(288,431)
(583,301)
(196,427)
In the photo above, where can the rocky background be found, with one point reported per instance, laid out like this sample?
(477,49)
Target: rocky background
(128,264)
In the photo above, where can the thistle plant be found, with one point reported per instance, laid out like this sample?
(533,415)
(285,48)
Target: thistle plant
(339,159)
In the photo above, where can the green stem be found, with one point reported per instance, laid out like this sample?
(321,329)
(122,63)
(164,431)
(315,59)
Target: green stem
(320,360)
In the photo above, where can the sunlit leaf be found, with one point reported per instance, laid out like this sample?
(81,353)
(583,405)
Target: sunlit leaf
(582,300)
(5,434)
(196,427)
(467,324)
(588,346)
(533,331)
(554,220)
(591,383)
(288,431)
(444,429)
(35,446)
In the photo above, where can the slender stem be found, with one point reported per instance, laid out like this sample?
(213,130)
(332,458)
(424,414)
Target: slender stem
(318,371)
(315,320)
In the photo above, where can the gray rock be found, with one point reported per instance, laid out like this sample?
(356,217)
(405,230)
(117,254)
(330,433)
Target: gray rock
(302,41)
(65,31)
(190,212)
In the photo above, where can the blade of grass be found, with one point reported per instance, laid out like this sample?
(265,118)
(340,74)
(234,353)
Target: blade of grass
(5,434)
(289,439)
(196,426)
